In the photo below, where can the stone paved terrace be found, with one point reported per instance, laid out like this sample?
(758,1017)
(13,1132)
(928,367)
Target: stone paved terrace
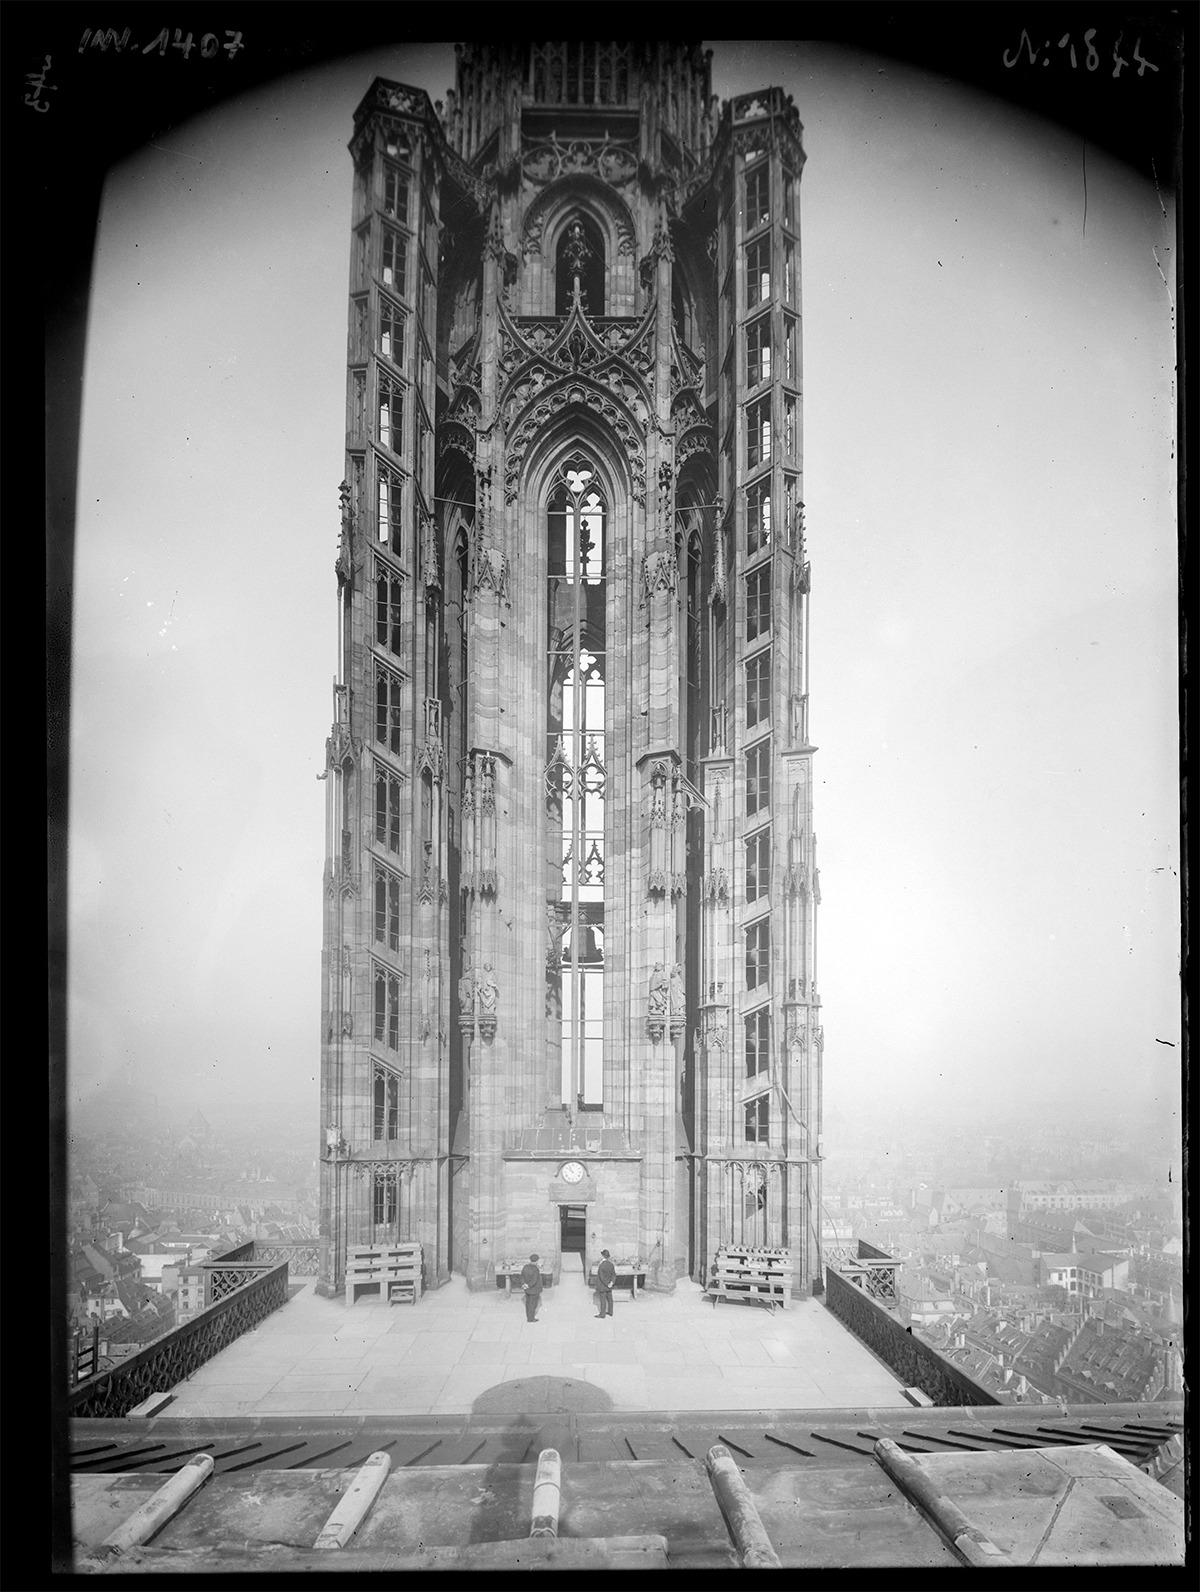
(456,1352)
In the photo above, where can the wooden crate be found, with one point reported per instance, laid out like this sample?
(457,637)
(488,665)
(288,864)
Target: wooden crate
(379,1266)
(759,1276)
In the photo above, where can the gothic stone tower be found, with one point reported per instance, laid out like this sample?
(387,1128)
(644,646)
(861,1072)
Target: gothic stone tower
(570,888)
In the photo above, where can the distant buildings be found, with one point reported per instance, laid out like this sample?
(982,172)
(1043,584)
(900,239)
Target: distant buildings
(936,1205)
(921,1298)
(1109,1363)
(1084,1274)
(136,1242)
(1069,1195)
(184,1285)
(1039,1288)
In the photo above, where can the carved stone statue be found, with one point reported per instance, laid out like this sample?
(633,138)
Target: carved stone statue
(678,1001)
(347,980)
(660,991)
(428,997)
(489,992)
(344,563)
(658,793)
(489,995)
(466,992)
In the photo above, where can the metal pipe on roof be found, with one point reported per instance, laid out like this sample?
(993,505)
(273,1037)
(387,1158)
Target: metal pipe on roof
(161,1505)
(352,1507)
(740,1511)
(547,1492)
(971,1545)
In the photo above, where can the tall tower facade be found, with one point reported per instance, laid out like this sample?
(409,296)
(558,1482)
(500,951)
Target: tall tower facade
(570,889)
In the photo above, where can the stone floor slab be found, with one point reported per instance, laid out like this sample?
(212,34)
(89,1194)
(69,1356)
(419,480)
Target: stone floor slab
(477,1353)
(329,1401)
(665,1351)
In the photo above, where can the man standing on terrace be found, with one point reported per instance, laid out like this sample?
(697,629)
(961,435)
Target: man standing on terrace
(531,1280)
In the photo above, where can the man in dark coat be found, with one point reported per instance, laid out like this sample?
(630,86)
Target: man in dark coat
(606,1275)
(531,1280)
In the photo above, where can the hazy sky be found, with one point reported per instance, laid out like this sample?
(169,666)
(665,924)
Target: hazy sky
(989,480)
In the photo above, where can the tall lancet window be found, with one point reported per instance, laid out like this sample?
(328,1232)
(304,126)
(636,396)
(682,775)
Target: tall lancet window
(576,781)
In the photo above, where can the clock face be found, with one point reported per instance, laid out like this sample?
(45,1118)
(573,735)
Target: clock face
(572,1172)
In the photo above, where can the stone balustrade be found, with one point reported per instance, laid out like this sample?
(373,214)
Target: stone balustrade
(251,1291)
(304,1260)
(914,1361)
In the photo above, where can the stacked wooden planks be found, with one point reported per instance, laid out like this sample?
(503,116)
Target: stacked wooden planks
(385,1267)
(762,1276)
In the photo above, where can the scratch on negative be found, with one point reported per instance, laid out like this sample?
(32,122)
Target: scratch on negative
(1157,189)
(183,155)
(1166,284)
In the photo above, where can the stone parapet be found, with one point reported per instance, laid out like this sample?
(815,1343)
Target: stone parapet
(913,1361)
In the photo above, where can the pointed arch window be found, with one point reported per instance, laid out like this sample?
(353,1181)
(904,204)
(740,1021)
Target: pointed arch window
(385,1104)
(758,1041)
(389,610)
(387,1008)
(576,777)
(579,259)
(389,518)
(758,197)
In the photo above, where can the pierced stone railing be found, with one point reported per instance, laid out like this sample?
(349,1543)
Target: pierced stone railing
(873,1270)
(912,1360)
(304,1260)
(222,1279)
(170,1359)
